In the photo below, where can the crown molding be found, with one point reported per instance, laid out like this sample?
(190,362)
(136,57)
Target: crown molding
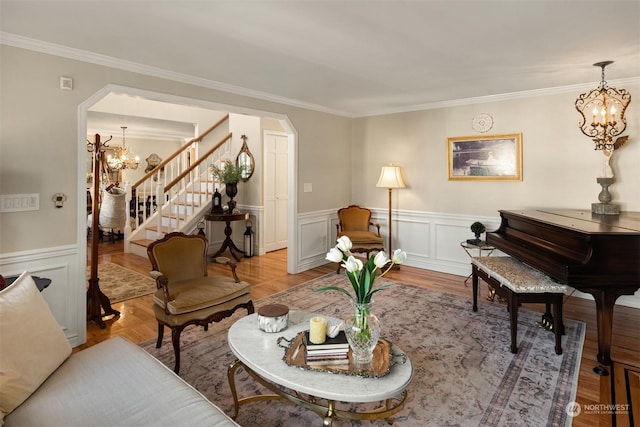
(577,88)
(108,61)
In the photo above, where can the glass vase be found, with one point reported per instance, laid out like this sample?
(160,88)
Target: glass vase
(362,330)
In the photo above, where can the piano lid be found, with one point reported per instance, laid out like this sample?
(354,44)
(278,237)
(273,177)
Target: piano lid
(585,221)
(574,247)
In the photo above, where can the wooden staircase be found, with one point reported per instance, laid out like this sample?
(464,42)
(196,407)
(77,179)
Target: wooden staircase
(181,187)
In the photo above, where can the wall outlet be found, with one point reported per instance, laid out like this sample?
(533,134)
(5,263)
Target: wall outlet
(308,187)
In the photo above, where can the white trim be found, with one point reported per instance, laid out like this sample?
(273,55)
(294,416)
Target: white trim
(108,61)
(94,58)
(577,88)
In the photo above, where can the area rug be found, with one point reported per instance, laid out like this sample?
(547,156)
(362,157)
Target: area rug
(464,373)
(120,284)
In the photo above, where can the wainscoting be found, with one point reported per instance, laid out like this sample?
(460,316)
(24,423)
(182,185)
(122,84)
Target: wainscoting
(60,264)
(431,240)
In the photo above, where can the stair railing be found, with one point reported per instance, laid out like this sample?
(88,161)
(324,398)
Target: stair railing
(159,189)
(190,189)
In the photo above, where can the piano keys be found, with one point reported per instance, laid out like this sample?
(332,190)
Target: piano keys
(596,254)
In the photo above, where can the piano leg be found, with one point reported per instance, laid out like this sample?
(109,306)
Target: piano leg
(474,281)
(605,298)
(558,323)
(512,305)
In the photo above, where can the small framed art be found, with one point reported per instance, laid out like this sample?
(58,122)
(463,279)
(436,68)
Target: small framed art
(485,157)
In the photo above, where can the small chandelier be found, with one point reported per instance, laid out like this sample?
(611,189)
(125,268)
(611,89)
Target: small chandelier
(606,106)
(123,159)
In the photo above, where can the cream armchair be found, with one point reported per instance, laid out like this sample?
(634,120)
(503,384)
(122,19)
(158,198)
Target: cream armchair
(186,294)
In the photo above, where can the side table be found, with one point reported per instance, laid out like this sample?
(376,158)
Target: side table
(228,242)
(484,249)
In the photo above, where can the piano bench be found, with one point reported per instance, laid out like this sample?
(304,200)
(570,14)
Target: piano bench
(519,283)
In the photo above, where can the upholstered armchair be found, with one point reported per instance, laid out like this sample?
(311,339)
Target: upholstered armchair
(186,294)
(355,222)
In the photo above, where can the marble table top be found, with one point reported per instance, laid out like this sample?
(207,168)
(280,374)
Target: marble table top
(260,352)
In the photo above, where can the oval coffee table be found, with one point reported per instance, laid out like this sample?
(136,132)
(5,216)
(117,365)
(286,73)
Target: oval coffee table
(260,355)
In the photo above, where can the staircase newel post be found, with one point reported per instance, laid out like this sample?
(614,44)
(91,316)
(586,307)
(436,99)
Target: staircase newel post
(131,215)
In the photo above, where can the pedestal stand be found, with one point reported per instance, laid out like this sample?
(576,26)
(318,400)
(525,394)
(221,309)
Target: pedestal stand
(228,241)
(604,207)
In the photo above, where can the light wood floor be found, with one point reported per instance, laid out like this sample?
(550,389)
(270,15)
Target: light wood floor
(268,275)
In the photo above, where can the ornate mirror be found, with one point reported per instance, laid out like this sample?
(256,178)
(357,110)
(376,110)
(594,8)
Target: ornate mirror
(245,160)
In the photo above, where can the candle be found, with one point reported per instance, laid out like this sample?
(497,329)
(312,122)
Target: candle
(613,114)
(317,330)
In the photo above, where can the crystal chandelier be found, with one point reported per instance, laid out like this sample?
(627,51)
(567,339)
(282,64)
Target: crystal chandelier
(606,106)
(123,159)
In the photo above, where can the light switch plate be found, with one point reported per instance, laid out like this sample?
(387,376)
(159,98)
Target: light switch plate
(308,187)
(19,202)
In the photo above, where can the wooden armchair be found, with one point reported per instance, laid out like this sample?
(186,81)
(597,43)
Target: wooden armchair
(355,222)
(186,295)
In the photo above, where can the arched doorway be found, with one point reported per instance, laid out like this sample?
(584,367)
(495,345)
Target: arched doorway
(84,108)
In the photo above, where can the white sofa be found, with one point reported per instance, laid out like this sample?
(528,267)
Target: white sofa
(114,383)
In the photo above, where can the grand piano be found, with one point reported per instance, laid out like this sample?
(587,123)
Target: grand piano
(596,254)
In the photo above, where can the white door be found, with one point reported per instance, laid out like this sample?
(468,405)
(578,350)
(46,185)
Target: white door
(275,190)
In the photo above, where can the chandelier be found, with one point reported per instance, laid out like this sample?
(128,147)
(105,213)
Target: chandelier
(606,106)
(123,159)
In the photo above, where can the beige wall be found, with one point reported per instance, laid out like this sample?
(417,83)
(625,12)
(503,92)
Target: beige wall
(39,137)
(560,165)
(341,157)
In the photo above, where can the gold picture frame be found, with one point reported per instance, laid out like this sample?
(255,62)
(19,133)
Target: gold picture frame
(485,157)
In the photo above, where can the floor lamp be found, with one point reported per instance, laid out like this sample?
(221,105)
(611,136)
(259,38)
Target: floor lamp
(390,177)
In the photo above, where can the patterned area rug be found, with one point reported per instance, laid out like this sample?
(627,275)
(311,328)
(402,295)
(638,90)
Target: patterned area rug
(464,373)
(120,284)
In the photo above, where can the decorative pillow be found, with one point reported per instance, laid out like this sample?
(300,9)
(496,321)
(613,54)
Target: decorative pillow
(32,343)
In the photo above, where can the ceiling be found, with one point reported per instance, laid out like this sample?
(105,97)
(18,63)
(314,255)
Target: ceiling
(138,126)
(354,58)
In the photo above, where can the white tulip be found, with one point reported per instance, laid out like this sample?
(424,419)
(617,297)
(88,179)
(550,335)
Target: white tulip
(381,259)
(352,264)
(344,244)
(334,255)
(399,256)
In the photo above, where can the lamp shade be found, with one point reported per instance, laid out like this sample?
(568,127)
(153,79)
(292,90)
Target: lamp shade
(391,177)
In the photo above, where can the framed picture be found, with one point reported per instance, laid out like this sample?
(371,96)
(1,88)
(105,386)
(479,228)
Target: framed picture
(486,157)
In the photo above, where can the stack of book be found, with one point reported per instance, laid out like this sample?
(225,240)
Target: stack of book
(334,351)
